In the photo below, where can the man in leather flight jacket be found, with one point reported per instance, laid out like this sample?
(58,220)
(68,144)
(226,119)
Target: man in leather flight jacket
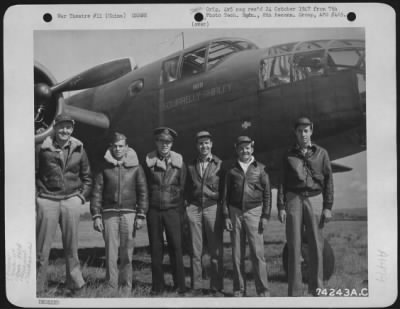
(166,176)
(203,194)
(247,207)
(118,206)
(63,184)
(305,199)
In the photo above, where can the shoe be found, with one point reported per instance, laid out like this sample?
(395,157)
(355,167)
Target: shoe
(217,293)
(197,293)
(238,294)
(181,293)
(264,294)
(156,292)
(75,292)
(125,291)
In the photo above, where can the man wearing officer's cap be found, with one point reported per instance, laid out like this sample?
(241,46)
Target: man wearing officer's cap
(247,208)
(166,175)
(305,198)
(64,183)
(204,210)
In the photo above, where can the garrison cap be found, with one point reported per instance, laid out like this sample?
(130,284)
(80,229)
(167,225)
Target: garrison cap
(203,134)
(116,137)
(165,134)
(63,118)
(243,139)
(303,121)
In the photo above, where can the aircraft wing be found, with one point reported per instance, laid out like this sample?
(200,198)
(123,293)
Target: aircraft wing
(338,168)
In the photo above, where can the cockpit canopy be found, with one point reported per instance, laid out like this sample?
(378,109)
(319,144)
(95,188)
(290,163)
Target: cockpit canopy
(293,62)
(201,58)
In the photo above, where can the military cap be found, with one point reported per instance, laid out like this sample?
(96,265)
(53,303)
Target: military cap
(165,133)
(243,140)
(203,134)
(116,137)
(303,121)
(63,118)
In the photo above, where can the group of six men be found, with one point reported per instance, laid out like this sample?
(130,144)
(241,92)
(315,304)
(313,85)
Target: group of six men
(124,195)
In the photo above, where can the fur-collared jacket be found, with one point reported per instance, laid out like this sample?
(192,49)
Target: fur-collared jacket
(120,186)
(166,180)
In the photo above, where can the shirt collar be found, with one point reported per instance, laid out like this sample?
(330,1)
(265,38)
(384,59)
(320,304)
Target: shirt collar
(66,145)
(309,147)
(207,159)
(248,163)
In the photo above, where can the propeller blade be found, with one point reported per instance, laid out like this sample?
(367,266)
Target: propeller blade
(96,76)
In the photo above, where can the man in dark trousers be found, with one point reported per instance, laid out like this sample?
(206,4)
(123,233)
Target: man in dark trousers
(305,199)
(119,205)
(247,208)
(166,176)
(63,183)
(204,212)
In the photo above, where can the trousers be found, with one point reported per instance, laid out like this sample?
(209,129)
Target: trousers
(209,221)
(245,223)
(169,220)
(118,230)
(303,214)
(50,213)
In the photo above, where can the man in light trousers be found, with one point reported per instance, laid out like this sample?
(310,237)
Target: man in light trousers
(63,184)
(204,211)
(247,208)
(119,205)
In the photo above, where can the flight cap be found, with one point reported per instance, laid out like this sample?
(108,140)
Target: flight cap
(303,121)
(63,118)
(203,134)
(244,140)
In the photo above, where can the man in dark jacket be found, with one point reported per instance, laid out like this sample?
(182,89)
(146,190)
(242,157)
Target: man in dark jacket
(204,211)
(166,175)
(119,205)
(247,208)
(63,183)
(306,174)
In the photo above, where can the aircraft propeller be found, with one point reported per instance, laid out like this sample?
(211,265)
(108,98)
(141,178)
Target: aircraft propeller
(96,76)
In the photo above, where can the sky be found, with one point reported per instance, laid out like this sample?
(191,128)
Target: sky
(68,52)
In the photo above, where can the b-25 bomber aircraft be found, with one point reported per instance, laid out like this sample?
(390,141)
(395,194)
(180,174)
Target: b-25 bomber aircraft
(228,86)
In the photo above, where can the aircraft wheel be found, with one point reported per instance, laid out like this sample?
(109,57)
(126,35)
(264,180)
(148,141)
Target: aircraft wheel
(328,260)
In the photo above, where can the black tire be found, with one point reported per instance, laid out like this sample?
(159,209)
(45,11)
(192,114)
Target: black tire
(328,260)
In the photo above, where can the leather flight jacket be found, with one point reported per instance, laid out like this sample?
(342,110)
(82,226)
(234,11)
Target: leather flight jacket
(247,190)
(207,190)
(60,178)
(165,180)
(120,186)
(308,174)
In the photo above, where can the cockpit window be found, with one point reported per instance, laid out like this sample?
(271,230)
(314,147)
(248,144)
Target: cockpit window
(193,62)
(308,64)
(347,58)
(274,71)
(169,71)
(218,51)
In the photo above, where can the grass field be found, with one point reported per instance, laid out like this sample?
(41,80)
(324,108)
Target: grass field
(347,238)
